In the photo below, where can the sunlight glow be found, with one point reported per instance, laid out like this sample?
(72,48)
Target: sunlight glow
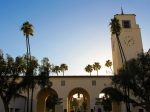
(76,95)
(101,95)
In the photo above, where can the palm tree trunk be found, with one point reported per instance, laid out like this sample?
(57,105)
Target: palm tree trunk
(31,97)
(31,76)
(29,48)
(97,72)
(63,73)
(122,52)
(120,48)
(28,100)
(126,89)
(27,74)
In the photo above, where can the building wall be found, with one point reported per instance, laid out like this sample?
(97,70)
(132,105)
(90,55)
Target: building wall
(17,103)
(71,83)
(85,82)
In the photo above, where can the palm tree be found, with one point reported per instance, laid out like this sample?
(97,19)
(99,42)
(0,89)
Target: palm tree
(63,67)
(56,69)
(115,29)
(88,69)
(96,67)
(27,30)
(109,64)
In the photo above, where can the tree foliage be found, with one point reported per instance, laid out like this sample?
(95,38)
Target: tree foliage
(115,27)
(84,104)
(63,67)
(51,102)
(11,83)
(27,29)
(136,76)
(89,69)
(56,69)
(96,67)
(109,65)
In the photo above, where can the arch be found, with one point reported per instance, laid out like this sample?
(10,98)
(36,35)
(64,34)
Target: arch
(115,105)
(41,98)
(81,91)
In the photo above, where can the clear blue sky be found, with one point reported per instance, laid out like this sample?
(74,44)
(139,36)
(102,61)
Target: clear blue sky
(74,32)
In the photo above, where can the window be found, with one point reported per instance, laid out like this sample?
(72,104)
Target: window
(62,83)
(126,24)
(93,82)
(141,110)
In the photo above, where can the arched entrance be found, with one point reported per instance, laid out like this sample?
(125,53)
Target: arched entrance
(41,98)
(78,91)
(107,102)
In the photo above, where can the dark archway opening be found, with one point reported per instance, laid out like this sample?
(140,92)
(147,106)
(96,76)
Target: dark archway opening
(42,97)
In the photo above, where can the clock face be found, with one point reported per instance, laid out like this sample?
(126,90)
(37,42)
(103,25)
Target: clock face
(129,41)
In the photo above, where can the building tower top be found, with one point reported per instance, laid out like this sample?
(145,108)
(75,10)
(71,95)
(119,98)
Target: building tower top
(122,11)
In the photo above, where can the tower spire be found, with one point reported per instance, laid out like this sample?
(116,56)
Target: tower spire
(122,11)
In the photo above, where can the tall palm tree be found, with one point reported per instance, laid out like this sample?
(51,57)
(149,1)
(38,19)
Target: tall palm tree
(63,67)
(56,69)
(27,30)
(88,69)
(115,29)
(96,67)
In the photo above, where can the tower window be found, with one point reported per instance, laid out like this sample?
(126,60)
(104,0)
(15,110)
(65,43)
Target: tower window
(63,83)
(126,24)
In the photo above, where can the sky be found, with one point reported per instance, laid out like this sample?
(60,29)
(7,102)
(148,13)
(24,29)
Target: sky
(74,32)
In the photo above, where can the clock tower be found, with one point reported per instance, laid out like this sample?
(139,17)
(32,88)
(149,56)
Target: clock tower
(130,38)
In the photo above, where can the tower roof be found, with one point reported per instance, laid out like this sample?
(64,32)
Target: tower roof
(124,14)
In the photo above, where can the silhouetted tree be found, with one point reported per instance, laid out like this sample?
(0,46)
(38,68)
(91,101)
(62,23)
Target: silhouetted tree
(56,69)
(96,67)
(27,30)
(137,73)
(88,69)
(63,67)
